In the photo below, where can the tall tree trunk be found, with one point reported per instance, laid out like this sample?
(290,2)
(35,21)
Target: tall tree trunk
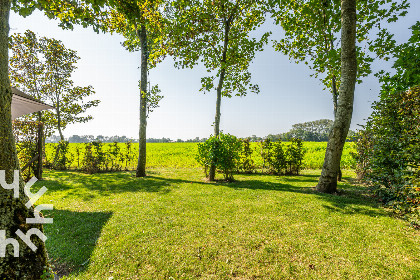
(13,212)
(335,98)
(335,95)
(212,172)
(57,150)
(328,181)
(141,165)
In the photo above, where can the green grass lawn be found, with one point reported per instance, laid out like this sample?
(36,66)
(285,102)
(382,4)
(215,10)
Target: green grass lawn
(174,225)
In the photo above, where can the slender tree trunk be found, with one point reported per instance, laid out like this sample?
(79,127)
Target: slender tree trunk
(335,95)
(141,165)
(335,98)
(212,172)
(13,212)
(57,150)
(328,181)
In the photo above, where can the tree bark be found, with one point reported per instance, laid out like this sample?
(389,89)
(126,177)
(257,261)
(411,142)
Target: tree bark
(335,95)
(141,165)
(212,171)
(13,212)
(328,181)
(335,98)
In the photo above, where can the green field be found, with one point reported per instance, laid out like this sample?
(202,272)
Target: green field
(182,155)
(175,225)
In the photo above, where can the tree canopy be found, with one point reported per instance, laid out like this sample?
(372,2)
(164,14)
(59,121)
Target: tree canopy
(43,68)
(312,35)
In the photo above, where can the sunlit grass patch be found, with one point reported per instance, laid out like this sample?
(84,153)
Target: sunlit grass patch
(175,224)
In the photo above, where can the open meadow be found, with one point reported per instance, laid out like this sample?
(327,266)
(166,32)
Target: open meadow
(183,155)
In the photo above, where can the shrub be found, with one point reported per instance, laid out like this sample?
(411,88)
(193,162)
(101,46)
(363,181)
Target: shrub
(246,163)
(277,159)
(294,156)
(62,157)
(266,146)
(283,159)
(223,152)
(94,159)
(388,152)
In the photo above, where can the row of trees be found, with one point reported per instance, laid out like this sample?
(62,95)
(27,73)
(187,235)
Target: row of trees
(314,131)
(217,33)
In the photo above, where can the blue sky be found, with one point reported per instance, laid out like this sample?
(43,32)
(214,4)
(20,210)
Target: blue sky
(288,95)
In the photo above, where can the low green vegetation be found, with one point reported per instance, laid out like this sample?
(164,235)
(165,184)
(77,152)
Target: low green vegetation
(173,224)
(183,155)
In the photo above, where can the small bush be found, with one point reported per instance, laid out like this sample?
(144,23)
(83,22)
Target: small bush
(94,159)
(277,159)
(283,158)
(223,152)
(62,157)
(246,163)
(294,156)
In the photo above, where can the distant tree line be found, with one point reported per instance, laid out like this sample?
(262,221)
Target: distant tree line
(315,131)
(119,139)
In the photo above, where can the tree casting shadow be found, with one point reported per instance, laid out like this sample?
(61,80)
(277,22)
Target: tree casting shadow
(72,238)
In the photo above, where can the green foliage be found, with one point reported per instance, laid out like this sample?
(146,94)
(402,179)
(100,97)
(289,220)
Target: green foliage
(42,67)
(246,162)
(182,155)
(388,148)
(223,152)
(312,35)
(218,34)
(283,159)
(152,98)
(317,131)
(389,152)
(277,160)
(26,139)
(62,158)
(265,151)
(406,65)
(294,156)
(94,157)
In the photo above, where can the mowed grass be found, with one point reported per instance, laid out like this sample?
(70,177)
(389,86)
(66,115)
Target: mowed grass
(182,155)
(175,225)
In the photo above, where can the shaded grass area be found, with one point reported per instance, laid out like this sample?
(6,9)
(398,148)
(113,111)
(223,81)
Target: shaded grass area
(174,224)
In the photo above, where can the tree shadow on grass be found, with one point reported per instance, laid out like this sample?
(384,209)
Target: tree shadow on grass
(351,199)
(87,187)
(72,238)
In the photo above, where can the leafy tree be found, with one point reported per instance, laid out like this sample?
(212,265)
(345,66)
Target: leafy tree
(311,131)
(328,181)
(142,24)
(312,29)
(406,65)
(388,147)
(223,151)
(43,68)
(30,264)
(217,33)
